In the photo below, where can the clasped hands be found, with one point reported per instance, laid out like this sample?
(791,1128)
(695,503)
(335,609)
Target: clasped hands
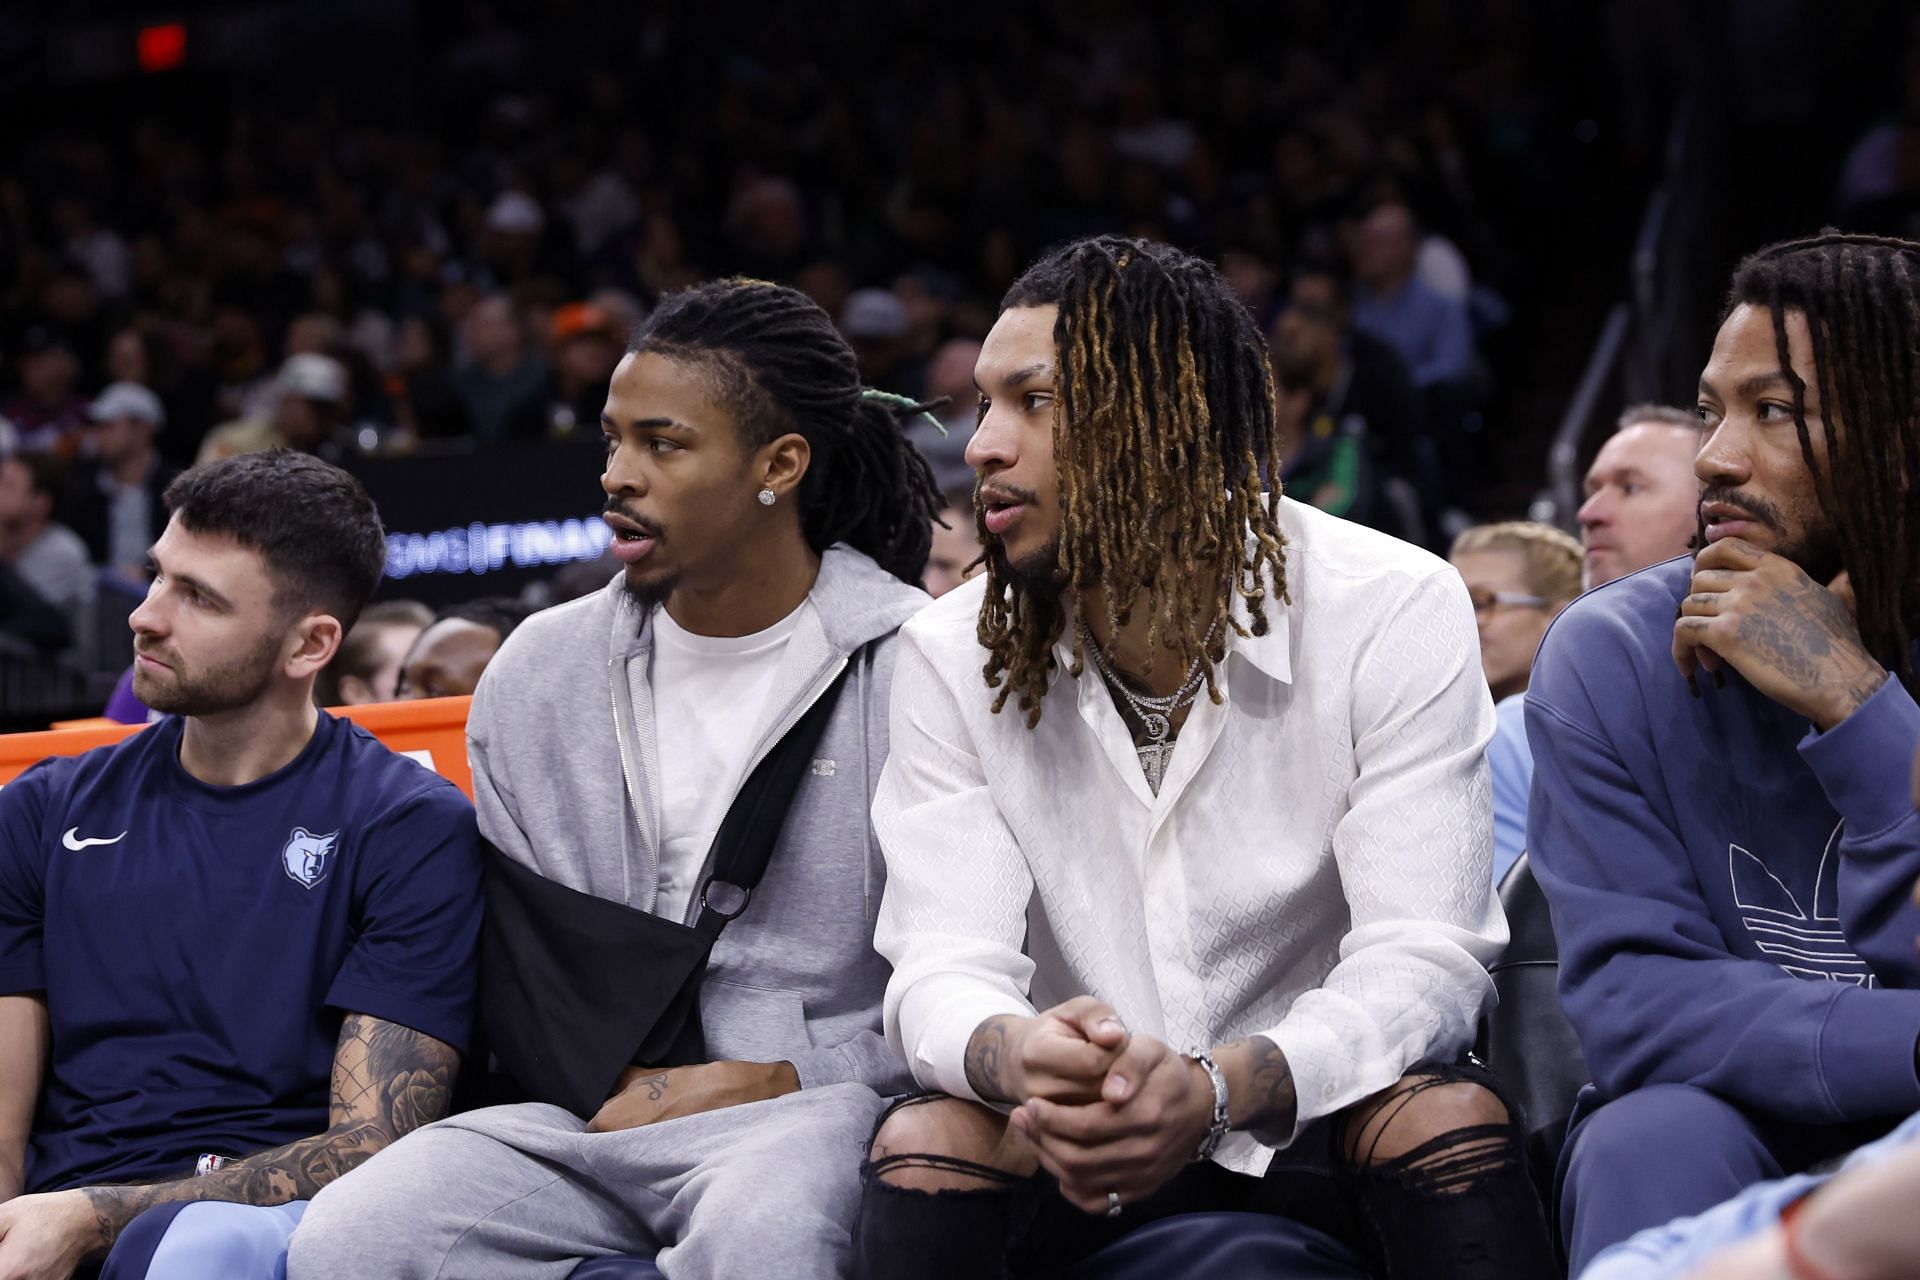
(1105,1111)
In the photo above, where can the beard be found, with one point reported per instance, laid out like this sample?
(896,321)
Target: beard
(1035,574)
(227,687)
(1803,539)
(648,592)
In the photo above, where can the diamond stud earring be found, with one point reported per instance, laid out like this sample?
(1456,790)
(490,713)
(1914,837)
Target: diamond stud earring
(766,497)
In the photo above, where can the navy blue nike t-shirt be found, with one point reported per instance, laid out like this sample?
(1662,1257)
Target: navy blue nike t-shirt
(200,945)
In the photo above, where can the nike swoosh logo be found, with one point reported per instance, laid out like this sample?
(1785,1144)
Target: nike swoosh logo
(73,841)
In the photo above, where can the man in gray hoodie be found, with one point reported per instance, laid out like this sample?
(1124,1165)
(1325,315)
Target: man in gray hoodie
(772,518)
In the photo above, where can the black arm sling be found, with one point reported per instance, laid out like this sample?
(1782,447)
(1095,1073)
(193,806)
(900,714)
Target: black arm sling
(574,988)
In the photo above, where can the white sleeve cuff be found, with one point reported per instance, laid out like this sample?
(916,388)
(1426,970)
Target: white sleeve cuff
(939,1054)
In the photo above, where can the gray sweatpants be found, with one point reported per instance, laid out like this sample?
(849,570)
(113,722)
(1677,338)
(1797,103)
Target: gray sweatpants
(524,1191)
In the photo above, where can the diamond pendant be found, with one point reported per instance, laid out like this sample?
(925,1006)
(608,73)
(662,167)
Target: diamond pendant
(1154,758)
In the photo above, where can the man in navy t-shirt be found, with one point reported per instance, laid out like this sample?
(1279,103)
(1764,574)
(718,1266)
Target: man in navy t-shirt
(236,950)
(1730,868)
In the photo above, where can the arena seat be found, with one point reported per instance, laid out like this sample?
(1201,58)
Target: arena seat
(430,730)
(1526,1039)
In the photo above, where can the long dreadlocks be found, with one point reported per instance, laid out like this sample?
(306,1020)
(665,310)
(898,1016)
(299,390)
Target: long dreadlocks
(781,367)
(1858,294)
(1163,427)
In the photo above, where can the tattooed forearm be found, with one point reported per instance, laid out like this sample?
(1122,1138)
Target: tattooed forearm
(986,1060)
(1260,1091)
(390,1075)
(388,1080)
(296,1171)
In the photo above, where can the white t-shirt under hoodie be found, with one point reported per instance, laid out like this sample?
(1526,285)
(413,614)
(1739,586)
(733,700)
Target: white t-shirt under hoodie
(709,698)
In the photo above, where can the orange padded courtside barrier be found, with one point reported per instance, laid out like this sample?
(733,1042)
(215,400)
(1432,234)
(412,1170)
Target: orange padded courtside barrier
(432,731)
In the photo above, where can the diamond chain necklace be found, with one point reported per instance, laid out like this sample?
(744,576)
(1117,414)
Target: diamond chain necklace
(1155,714)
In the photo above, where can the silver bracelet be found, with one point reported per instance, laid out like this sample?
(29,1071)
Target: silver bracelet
(1218,1130)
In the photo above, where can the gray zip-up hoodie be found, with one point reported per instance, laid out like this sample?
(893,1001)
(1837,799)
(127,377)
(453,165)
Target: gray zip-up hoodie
(566,781)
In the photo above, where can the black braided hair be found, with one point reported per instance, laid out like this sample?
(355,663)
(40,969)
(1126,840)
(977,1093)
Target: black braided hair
(1860,296)
(782,367)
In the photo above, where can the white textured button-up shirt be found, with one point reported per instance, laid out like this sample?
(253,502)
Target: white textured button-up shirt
(1315,869)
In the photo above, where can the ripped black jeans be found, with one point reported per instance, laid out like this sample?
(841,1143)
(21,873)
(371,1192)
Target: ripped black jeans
(1459,1206)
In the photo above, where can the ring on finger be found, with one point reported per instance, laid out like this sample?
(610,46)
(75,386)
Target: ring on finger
(1113,1204)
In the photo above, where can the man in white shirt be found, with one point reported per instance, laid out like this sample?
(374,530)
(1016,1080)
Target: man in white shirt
(1200,920)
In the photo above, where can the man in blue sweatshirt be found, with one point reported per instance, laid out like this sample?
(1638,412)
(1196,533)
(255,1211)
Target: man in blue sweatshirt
(1720,813)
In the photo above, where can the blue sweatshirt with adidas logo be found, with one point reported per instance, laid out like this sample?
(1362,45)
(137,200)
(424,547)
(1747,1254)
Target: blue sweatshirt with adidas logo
(1731,891)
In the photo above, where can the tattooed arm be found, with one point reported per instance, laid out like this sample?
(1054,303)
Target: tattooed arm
(1061,1055)
(1260,1096)
(1793,639)
(387,1081)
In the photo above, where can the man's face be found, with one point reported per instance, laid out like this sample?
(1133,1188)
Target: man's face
(209,637)
(1509,633)
(120,438)
(1754,481)
(447,659)
(1642,500)
(1012,449)
(955,547)
(392,641)
(680,494)
(304,422)
(16,493)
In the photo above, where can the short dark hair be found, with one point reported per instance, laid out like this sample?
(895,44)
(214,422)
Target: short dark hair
(312,522)
(502,613)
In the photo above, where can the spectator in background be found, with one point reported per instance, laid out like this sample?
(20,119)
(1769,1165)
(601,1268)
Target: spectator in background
(1321,463)
(956,545)
(426,403)
(949,379)
(447,658)
(1643,500)
(49,413)
(1432,332)
(114,496)
(367,666)
(310,404)
(503,384)
(586,347)
(874,322)
(49,556)
(1519,575)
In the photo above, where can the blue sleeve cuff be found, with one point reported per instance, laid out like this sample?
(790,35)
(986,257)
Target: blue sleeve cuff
(1865,763)
(21,976)
(1867,1052)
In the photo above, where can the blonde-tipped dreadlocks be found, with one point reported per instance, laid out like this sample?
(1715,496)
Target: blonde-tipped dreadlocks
(1163,426)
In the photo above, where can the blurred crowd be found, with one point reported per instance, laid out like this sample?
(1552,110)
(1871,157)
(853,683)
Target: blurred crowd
(303,275)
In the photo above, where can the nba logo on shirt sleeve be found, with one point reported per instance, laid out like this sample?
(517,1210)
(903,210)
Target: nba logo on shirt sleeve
(308,858)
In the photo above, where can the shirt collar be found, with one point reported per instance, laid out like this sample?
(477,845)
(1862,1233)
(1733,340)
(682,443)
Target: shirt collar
(1270,654)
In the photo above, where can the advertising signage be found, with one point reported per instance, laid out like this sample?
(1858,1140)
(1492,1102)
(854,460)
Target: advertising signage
(486,522)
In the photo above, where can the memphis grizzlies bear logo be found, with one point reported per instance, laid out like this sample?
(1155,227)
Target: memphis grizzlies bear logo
(308,858)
